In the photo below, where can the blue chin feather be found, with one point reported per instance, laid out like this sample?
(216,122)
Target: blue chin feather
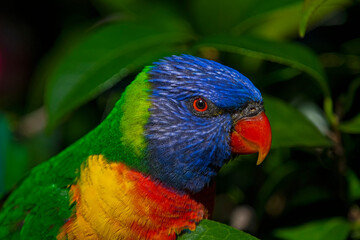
(185,150)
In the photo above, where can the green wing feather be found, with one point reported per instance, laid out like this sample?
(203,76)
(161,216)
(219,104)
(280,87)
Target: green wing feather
(40,206)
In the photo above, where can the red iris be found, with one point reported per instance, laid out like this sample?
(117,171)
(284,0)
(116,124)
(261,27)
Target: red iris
(200,105)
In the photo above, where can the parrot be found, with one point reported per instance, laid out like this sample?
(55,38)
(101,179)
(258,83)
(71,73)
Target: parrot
(147,170)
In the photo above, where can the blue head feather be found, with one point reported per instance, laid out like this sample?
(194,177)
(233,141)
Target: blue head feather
(186,150)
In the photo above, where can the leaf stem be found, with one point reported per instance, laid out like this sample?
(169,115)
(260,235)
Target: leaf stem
(329,112)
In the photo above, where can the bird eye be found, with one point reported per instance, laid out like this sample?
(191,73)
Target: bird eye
(200,105)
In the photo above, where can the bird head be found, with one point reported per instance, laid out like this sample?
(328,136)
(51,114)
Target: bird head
(201,113)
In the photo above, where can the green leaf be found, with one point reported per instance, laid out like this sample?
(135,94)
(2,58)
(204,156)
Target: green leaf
(351,93)
(321,7)
(265,18)
(262,16)
(228,14)
(309,8)
(329,229)
(351,126)
(103,58)
(211,230)
(281,75)
(294,55)
(305,196)
(353,185)
(290,128)
(271,25)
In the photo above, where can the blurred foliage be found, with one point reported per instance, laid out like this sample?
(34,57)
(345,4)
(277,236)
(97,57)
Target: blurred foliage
(69,65)
(331,229)
(213,230)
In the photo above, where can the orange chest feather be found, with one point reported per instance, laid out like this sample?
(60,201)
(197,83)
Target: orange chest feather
(115,202)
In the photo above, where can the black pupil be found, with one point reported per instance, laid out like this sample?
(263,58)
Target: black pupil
(200,104)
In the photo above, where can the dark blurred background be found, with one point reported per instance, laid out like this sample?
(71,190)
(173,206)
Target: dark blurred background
(308,187)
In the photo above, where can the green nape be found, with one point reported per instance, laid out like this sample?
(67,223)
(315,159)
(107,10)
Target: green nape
(40,205)
(135,106)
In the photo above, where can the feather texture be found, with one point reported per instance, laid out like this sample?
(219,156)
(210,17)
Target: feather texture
(114,202)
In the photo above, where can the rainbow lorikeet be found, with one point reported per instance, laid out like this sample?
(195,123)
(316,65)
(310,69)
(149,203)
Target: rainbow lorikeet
(146,172)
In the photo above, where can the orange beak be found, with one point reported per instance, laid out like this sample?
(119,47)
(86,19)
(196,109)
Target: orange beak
(252,135)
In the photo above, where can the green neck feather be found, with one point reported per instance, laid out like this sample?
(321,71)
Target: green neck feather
(135,104)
